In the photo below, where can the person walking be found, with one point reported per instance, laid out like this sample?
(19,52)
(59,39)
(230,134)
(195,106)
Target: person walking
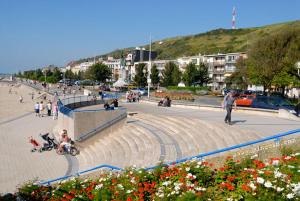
(228,103)
(41,109)
(55,111)
(49,108)
(37,109)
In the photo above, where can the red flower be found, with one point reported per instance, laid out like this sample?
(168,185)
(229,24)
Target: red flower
(230,187)
(129,199)
(231,178)
(91,196)
(114,181)
(246,188)
(140,189)
(153,184)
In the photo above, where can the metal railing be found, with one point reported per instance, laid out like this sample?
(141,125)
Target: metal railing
(276,138)
(67,105)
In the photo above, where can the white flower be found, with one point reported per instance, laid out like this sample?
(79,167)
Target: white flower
(99,186)
(120,186)
(290,196)
(268,184)
(252,186)
(260,172)
(229,199)
(161,195)
(287,158)
(278,189)
(128,191)
(166,183)
(260,180)
(291,166)
(277,174)
(275,162)
(187,169)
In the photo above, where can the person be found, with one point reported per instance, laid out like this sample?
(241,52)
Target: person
(228,102)
(32,96)
(34,143)
(100,94)
(49,108)
(41,109)
(21,99)
(297,109)
(106,106)
(115,103)
(55,111)
(37,108)
(64,141)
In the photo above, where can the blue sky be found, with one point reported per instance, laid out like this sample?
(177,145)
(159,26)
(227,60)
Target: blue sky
(36,33)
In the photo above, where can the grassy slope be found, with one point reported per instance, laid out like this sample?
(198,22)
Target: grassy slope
(219,40)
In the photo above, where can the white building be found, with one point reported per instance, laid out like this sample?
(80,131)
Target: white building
(115,66)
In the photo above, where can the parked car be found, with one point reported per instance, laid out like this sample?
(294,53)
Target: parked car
(140,91)
(273,103)
(245,100)
(86,82)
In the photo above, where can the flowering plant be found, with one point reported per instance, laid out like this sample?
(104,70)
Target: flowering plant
(276,179)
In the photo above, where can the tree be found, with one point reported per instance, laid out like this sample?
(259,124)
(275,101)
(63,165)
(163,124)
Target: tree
(189,75)
(56,75)
(140,77)
(171,74)
(154,75)
(240,77)
(69,74)
(202,74)
(99,72)
(273,57)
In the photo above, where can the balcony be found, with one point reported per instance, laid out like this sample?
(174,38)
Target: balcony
(217,71)
(219,62)
(218,79)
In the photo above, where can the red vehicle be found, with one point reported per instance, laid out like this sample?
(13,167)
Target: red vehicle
(245,100)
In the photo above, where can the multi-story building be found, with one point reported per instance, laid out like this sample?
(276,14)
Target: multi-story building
(221,66)
(160,64)
(115,66)
(184,61)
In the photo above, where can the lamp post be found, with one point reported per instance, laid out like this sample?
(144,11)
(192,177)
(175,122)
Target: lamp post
(149,69)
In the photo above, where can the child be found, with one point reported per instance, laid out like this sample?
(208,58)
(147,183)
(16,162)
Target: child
(34,143)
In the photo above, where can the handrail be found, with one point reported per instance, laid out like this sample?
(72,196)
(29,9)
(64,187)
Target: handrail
(80,173)
(276,137)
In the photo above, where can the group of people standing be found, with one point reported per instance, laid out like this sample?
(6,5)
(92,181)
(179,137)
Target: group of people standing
(48,109)
(132,97)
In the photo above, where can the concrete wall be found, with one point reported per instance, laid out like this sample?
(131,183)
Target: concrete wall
(81,122)
(87,121)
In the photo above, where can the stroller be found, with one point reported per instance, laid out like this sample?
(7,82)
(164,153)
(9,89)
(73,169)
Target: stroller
(51,143)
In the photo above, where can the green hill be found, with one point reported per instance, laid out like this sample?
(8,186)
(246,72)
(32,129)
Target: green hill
(219,40)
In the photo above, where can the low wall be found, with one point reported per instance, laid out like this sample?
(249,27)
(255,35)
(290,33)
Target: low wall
(89,122)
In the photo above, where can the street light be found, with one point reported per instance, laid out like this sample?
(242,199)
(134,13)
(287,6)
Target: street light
(149,69)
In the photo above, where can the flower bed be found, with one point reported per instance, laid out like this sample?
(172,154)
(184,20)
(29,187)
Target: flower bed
(277,179)
(175,95)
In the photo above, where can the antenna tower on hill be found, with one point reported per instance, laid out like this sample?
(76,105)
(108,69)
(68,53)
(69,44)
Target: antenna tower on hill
(233,18)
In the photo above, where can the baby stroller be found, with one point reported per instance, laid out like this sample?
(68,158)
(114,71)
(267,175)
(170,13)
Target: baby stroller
(51,143)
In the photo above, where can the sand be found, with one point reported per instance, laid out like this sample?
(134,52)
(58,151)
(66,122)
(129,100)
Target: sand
(10,107)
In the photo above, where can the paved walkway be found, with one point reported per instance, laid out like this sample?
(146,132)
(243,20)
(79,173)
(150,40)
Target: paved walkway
(18,164)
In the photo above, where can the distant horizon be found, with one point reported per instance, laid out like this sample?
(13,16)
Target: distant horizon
(35,34)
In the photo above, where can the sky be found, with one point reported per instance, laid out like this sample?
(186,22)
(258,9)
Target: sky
(37,33)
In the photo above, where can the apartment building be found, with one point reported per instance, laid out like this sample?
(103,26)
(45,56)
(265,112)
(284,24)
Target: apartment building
(115,66)
(221,66)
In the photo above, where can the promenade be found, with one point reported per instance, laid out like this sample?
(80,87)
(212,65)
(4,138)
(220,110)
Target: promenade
(152,135)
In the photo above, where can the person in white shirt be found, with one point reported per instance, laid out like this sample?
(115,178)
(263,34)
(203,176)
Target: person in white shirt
(37,108)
